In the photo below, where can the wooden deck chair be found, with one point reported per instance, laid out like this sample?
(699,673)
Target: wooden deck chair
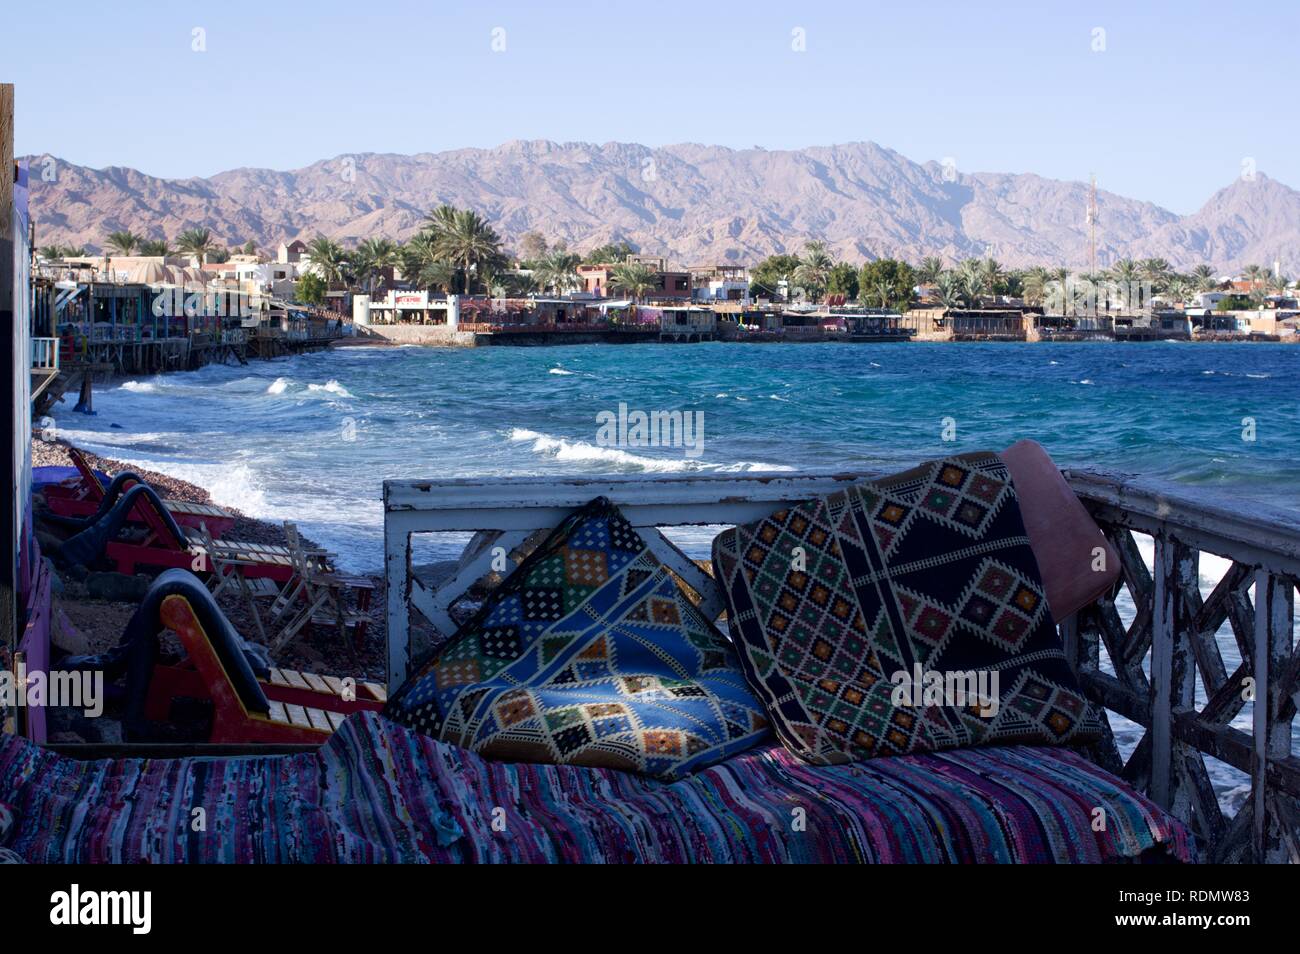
(227,573)
(169,546)
(325,592)
(303,598)
(84,495)
(289,707)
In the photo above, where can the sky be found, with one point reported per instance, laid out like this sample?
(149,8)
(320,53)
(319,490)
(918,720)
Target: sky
(1161,101)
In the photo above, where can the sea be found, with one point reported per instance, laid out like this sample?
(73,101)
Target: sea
(311,438)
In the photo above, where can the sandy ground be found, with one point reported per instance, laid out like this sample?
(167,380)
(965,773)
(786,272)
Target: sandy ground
(97,624)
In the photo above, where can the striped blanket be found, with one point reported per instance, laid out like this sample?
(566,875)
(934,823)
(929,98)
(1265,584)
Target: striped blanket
(379,792)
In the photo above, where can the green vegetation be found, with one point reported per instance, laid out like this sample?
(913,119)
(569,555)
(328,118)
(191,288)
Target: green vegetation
(196,242)
(123,243)
(311,289)
(633,278)
(886,283)
(613,254)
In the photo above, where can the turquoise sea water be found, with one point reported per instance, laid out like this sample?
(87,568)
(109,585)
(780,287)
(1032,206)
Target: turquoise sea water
(311,438)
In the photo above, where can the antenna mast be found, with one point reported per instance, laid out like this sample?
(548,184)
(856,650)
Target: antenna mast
(1092,228)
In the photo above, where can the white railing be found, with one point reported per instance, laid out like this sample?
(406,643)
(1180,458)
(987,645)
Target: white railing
(45,354)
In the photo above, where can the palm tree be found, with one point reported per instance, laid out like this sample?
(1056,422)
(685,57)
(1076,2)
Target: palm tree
(948,287)
(1203,276)
(50,252)
(1176,288)
(155,247)
(993,275)
(441,220)
(372,257)
(1125,271)
(559,272)
(973,280)
(1278,284)
(196,242)
(1256,275)
(1157,271)
(328,258)
(464,237)
(1036,282)
(929,270)
(124,242)
(814,268)
(634,279)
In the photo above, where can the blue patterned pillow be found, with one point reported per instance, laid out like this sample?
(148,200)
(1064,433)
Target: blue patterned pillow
(587,654)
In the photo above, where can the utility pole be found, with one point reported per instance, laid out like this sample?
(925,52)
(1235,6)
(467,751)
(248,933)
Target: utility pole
(1092,230)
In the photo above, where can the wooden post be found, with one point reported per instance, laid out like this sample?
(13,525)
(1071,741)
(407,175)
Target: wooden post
(1164,616)
(397,581)
(1274,609)
(12,365)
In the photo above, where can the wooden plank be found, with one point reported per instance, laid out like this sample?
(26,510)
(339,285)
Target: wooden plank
(336,719)
(277,678)
(319,719)
(335,684)
(1162,664)
(316,682)
(376,690)
(276,711)
(1241,530)
(712,602)
(1274,611)
(295,679)
(297,715)
(397,594)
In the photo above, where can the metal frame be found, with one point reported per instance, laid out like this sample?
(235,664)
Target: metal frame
(1172,636)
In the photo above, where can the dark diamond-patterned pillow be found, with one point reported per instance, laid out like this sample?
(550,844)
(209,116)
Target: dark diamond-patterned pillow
(588,654)
(901,615)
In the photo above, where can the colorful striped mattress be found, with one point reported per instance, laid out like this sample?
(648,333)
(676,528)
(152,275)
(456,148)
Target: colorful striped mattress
(379,792)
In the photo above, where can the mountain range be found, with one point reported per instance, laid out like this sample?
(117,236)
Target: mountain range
(692,204)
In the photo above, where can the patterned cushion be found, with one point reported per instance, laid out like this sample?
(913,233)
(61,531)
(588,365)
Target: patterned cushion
(587,654)
(6,823)
(841,604)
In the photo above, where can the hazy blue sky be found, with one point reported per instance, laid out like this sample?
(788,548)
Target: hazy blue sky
(1167,111)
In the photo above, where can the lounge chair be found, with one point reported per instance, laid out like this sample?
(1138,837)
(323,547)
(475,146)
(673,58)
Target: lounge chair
(86,496)
(165,544)
(251,700)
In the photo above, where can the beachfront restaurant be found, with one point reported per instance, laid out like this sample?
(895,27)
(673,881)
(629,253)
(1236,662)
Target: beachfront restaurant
(687,324)
(1004,323)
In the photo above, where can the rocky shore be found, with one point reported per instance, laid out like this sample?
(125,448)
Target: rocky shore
(92,608)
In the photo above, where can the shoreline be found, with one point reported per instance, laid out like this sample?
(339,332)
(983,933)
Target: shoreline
(92,608)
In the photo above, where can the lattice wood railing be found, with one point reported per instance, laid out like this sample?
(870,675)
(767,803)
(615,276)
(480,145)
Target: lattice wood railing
(1152,667)
(1171,647)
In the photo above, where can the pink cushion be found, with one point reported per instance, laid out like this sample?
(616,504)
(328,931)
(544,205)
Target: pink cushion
(1061,532)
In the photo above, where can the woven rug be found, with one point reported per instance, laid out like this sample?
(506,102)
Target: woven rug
(380,792)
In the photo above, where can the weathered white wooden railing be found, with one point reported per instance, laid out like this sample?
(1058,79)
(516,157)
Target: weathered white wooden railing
(1170,645)
(1155,660)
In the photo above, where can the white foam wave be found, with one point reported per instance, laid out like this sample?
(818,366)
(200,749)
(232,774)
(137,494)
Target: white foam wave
(560,371)
(139,387)
(331,387)
(560,449)
(277,386)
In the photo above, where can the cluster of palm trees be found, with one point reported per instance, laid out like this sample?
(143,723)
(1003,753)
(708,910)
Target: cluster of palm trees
(196,242)
(455,251)
(974,279)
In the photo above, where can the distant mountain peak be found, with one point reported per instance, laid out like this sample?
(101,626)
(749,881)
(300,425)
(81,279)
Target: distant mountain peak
(692,202)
